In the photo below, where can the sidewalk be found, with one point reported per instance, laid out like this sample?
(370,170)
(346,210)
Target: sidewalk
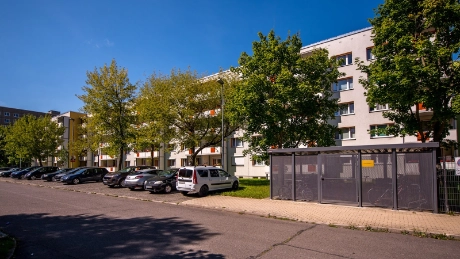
(338,215)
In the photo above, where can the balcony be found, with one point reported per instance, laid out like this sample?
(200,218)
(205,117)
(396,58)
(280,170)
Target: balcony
(146,154)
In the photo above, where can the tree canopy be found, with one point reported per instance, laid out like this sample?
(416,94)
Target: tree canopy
(187,106)
(30,137)
(284,100)
(109,102)
(415,42)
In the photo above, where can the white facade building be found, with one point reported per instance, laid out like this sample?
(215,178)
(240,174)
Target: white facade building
(355,120)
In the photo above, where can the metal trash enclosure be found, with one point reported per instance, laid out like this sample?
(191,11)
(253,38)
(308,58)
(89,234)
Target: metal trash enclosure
(399,176)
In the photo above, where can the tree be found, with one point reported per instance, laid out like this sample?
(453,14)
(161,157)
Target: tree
(188,105)
(415,42)
(32,137)
(153,128)
(3,156)
(284,100)
(109,103)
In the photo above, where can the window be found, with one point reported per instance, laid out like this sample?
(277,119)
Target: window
(214,172)
(379,107)
(258,162)
(6,114)
(345,59)
(183,162)
(345,133)
(378,131)
(172,162)
(16,115)
(343,84)
(238,160)
(369,55)
(236,142)
(349,108)
(7,120)
(216,162)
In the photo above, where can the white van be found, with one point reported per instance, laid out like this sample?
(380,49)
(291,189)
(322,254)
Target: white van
(202,179)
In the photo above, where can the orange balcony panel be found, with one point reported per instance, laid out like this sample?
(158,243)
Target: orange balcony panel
(190,151)
(421,107)
(213,150)
(212,112)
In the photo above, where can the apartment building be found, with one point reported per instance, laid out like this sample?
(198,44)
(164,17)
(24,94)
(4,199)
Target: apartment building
(70,121)
(355,121)
(10,115)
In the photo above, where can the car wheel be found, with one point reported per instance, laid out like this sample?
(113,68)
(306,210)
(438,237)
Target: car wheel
(235,186)
(184,193)
(203,191)
(33,177)
(76,181)
(122,183)
(168,188)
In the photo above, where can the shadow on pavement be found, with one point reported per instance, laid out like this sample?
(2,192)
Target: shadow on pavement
(83,236)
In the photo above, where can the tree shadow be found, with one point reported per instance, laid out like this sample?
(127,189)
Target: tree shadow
(83,236)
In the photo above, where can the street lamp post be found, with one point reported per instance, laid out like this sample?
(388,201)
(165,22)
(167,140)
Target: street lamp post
(221,82)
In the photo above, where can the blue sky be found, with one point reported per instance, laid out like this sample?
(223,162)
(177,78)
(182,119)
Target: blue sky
(47,46)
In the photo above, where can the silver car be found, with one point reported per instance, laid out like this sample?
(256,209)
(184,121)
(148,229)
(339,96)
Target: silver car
(137,179)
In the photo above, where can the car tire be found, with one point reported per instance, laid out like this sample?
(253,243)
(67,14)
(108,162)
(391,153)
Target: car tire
(204,190)
(121,183)
(33,177)
(168,188)
(184,193)
(235,186)
(76,181)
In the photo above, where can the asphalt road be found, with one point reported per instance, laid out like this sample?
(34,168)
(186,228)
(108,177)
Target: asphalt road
(56,222)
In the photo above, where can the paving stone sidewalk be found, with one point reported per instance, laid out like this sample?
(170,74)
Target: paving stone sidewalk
(338,215)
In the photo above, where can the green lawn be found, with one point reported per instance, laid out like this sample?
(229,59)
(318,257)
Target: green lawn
(250,188)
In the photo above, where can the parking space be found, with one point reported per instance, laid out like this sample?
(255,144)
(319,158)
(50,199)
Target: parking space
(101,189)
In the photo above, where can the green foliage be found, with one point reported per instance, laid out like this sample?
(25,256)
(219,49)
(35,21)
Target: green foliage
(109,102)
(414,47)
(31,137)
(284,99)
(178,107)
(3,156)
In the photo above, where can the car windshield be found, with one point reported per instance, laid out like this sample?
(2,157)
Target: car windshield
(126,170)
(166,173)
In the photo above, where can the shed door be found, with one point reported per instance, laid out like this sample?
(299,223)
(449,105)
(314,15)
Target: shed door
(339,182)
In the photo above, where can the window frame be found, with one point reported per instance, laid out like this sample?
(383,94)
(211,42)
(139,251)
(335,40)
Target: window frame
(377,109)
(376,127)
(347,57)
(6,114)
(369,55)
(340,113)
(236,142)
(340,136)
(335,86)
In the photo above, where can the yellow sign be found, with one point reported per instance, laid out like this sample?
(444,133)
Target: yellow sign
(367,163)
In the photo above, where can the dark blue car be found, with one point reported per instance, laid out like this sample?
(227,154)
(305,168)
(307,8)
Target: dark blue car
(20,173)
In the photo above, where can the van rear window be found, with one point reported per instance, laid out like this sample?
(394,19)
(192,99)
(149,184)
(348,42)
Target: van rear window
(185,173)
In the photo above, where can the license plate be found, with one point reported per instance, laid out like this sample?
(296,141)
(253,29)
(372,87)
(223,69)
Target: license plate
(181,182)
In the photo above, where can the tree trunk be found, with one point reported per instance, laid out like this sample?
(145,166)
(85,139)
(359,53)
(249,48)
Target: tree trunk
(151,154)
(120,159)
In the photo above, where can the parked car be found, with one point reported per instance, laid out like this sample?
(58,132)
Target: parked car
(57,177)
(202,179)
(20,173)
(118,178)
(37,173)
(8,173)
(49,176)
(136,180)
(165,181)
(3,169)
(84,175)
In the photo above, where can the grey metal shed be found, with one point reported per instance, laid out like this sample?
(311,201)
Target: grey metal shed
(397,176)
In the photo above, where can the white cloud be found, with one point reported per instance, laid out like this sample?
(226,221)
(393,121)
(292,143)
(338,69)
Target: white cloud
(100,44)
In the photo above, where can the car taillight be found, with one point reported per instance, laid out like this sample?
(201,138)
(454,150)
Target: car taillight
(194,180)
